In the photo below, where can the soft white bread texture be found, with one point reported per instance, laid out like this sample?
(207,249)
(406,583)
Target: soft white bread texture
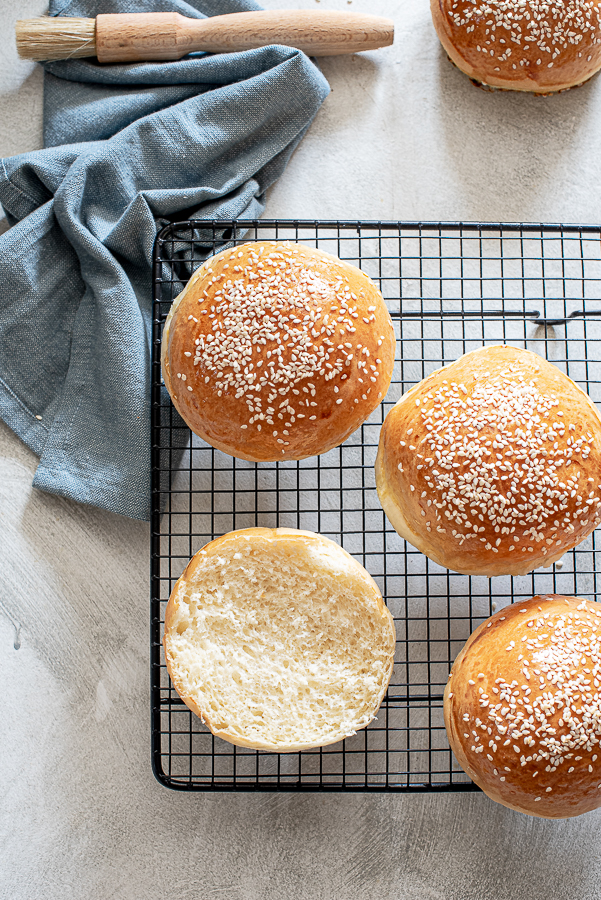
(521,45)
(523,706)
(277,351)
(279,640)
(492,465)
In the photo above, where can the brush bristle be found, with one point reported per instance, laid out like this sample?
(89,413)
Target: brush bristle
(50,38)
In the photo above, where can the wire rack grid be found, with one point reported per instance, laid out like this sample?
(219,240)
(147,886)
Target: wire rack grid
(450,288)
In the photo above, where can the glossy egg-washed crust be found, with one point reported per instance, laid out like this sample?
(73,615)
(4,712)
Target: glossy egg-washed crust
(311,332)
(291,540)
(507,700)
(497,497)
(521,46)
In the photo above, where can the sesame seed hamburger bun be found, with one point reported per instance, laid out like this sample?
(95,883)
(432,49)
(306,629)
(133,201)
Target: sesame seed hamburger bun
(279,640)
(523,706)
(492,465)
(521,45)
(275,351)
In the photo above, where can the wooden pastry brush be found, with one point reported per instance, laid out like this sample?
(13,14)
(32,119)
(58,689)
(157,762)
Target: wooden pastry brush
(132,37)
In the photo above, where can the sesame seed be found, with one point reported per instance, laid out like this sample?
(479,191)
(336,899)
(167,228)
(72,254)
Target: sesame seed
(493,458)
(551,29)
(565,645)
(271,337)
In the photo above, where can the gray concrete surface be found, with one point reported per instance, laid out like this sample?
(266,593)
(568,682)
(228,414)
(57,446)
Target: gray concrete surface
(403,136)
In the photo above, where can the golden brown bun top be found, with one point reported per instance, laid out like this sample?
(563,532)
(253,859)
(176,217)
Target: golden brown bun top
(523,706)
(492,465)
(277,351)
(524,45)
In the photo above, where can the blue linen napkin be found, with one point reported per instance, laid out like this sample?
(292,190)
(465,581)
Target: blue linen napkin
(128,148)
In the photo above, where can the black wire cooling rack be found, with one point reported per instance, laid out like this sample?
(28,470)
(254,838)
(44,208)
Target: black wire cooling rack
(450,288)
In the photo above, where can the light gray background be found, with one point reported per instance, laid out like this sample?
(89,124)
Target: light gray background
(402,136)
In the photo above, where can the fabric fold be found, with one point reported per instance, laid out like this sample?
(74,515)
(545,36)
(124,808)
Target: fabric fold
(129,148)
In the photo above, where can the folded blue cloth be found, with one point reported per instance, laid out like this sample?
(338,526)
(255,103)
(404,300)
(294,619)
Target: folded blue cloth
(128,149)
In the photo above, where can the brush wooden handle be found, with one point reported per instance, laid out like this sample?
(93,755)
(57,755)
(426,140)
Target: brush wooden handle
(131,37)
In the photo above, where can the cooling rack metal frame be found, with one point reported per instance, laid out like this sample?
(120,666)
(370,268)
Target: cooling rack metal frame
(450,287)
